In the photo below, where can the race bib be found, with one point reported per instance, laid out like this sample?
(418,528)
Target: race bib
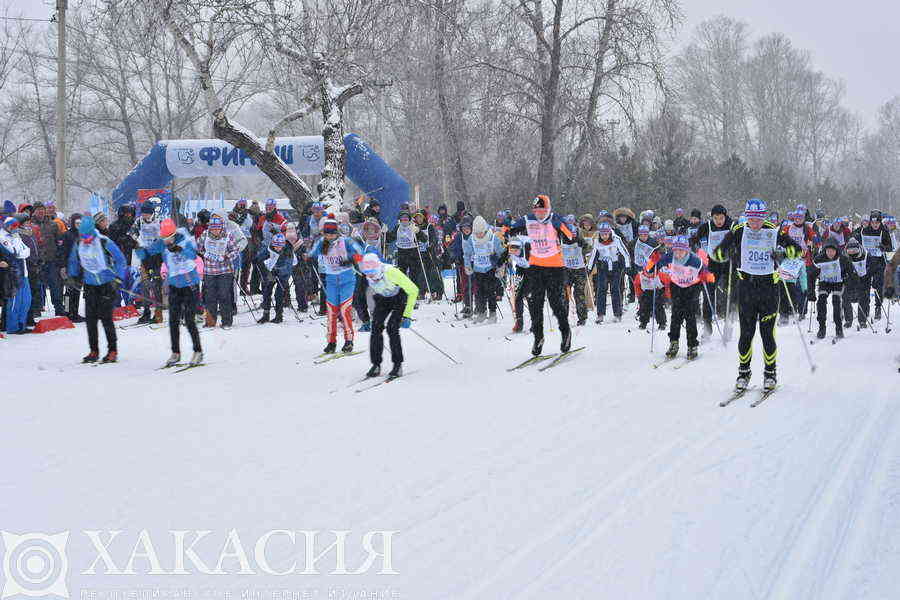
(756,251)
(837,236)
(178,264)
(859,266)
(683,275)
(830,272)
(149,234)
(798,234)
(483,249)
(642,253)
(650,283)
(337,253)
(543,238)
(789,269)
(215,249)
(406,239)
(573,256)
(626,232)
(91,256)
(872,244)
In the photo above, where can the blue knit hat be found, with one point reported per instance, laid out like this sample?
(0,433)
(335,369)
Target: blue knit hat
(87,227)
(756,209)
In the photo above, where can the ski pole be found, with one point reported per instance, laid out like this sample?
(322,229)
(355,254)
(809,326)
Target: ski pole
(812,366)
(424,274)
(136,295)
(715,317)
(728,304)
(424,339)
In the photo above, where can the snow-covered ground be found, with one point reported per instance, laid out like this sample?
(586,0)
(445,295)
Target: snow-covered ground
(600,478)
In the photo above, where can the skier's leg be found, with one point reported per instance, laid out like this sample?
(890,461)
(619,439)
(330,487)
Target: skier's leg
(555,282)
(376,340)
(748,315)
(105,309)
(690,315)
(175,312)
(616,292)
(679,300)
(600,291)
(91,315)
(537,289)
(398,303)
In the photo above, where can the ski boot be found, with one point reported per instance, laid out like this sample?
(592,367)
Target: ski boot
(581,322)
(396,371)
(279,318)
(517,328)
(173,360)
(158,316)
(769,381)
(743,380)
(478,318)
(821,333)
(196,359)
(863,323)
(264,318)
(209,321)
(330,348)
(374,371)
(599,319)
(347,347)
(537,346)
(111,357)
(838,330)
(662,326)
(691,352)
(492,318)
(227,326)
(566,342)
(642,326)
(877,313)
(848,323)
(91,357)
(672,352)
(617,318)
(466,312)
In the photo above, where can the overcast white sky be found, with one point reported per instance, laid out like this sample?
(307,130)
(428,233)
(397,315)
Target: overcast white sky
(857,41)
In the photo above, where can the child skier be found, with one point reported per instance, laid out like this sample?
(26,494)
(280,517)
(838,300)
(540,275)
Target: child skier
(278,261)
(395,296)
(221,254)
(648,286)
(481,254)
(612,259)
(832,270)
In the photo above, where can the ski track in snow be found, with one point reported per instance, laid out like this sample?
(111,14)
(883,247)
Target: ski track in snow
(600,477)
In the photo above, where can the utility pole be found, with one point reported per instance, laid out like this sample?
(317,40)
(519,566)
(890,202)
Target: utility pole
(61,6)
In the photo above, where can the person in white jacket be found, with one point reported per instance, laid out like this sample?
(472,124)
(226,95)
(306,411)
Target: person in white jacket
(611,259)
(13,253)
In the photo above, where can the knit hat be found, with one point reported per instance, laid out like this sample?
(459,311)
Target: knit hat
(479,226)
(466,222)
(853,244)
(669,224)
(402,214)
(10,223)
(695,212)
(604,226)
(216,223)
(541,201)
(679,212)
(371,265)
(329,226)
(278,241)
(875,214)
(167,228)
(87,228)
(756,209)
(147,208)
(680,242)
(460,206)
(270,204)
(718,209)
(514,243)
(98,216)
(643,230)
(320,206)
(242,203)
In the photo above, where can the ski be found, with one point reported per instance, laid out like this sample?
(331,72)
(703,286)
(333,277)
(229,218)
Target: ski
(685,362)
(660,363)
(561,357)
(764,396)
(337,356)
(531,361)
(384,380)
(188,367)
(735,395)
(164,367)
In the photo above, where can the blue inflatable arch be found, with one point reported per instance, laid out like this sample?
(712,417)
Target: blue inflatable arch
(169,159)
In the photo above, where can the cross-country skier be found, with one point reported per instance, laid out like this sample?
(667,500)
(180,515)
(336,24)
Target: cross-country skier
(395,296)
(752,246)
(857,288)
(518,252)
(708,237)
(547,273)
(877,240)
(611,259)
(99,262)
(336,254)
(178,250)
(481,254)
(649,288)
(146,232)
(278,261)
(220,252)
(832,271)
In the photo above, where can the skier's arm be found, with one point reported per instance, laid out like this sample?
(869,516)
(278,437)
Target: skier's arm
(119,265)
(791,248)
(74,266)
(396,276)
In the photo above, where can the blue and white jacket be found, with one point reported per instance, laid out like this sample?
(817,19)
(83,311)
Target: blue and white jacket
(92,260)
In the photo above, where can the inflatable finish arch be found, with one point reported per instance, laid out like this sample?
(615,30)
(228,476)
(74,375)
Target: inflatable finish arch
(169,159)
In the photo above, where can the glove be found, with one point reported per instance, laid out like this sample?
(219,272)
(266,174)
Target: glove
(365,326)
(718,255)
(889,292)
(468,270)
(406,323)
(792,252)
(175,248)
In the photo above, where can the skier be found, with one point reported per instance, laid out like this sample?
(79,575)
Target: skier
(753,245)
(336,255)
(793,291)
(220,252)
(481,255)
(684,269)
(100,263)
(644,249)
(547,270)
(833,271)
(877,240)
(427,254)
(576,273)
(395,296)
(278,262)
(370,243)
(612,259)
(517,253)
(146,232)
(708,237)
